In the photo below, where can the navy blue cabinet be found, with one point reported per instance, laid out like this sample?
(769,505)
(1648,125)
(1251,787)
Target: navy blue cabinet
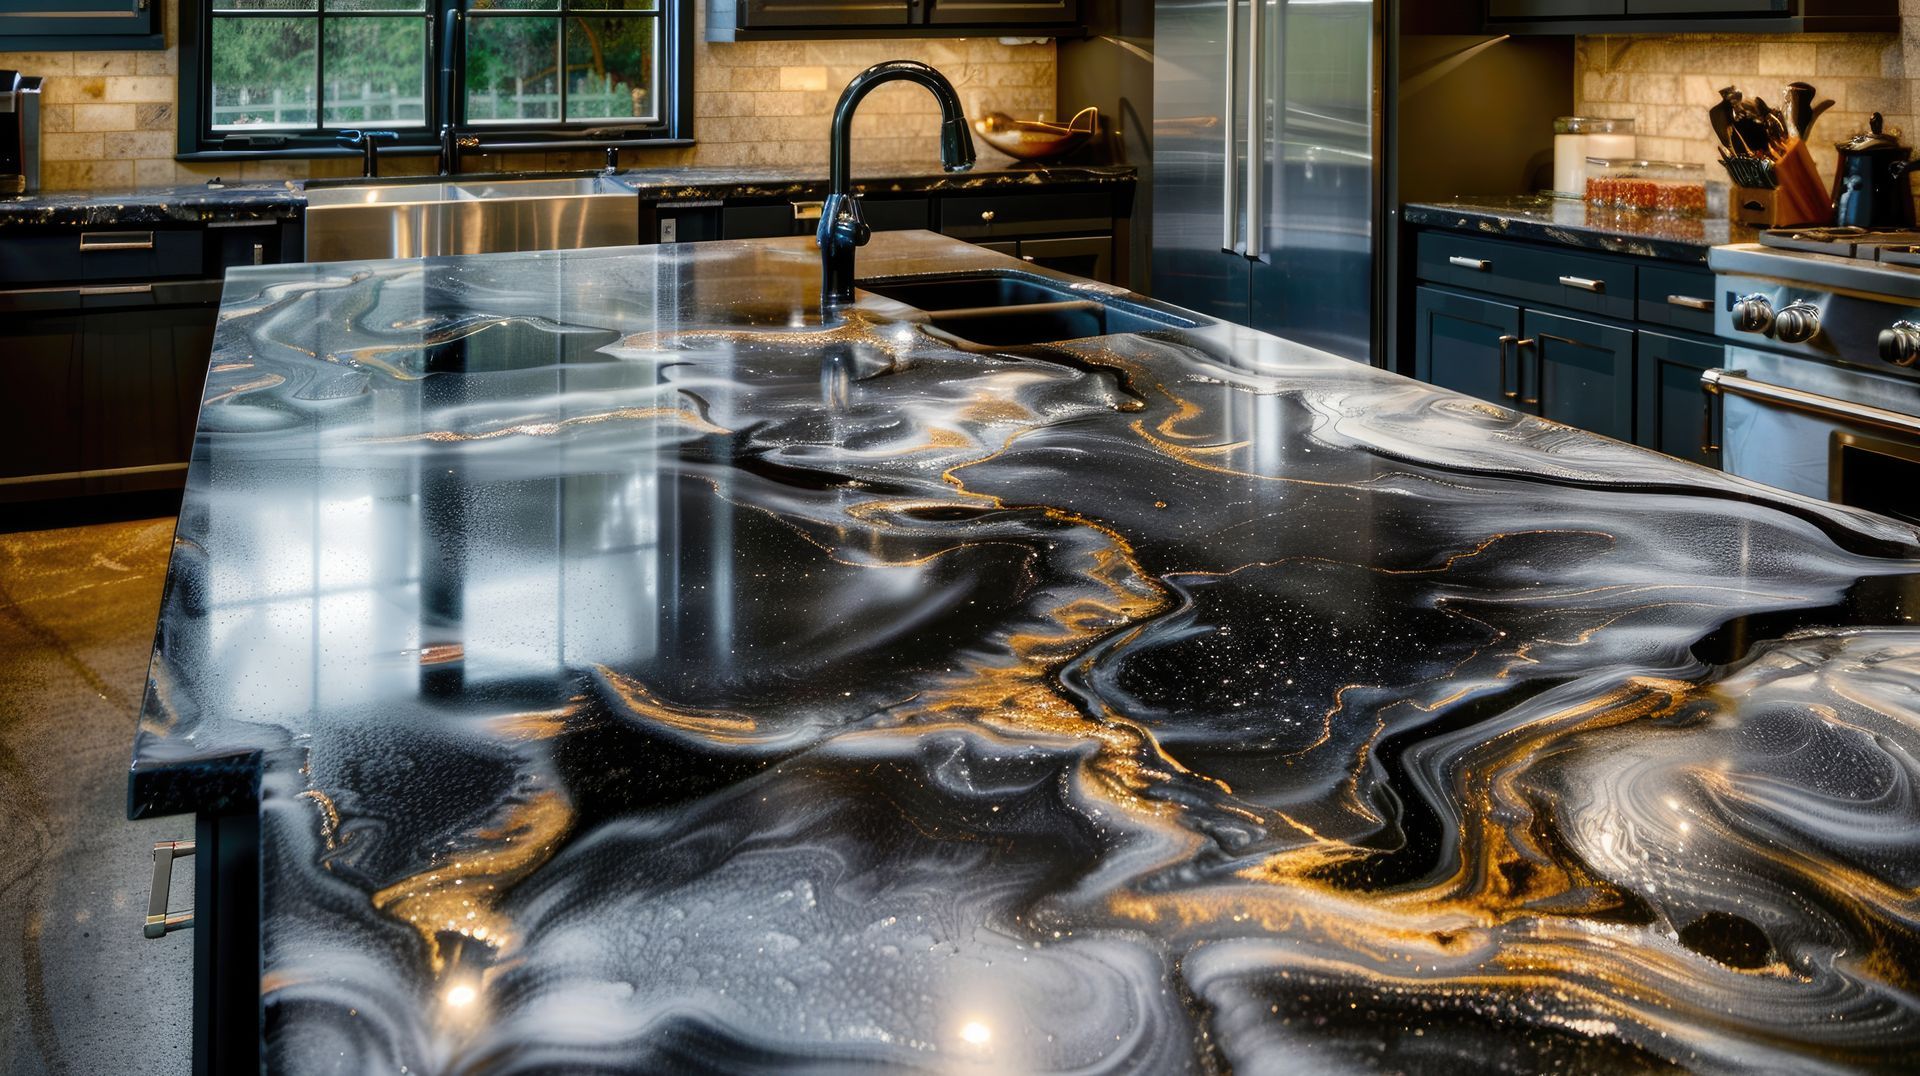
(105,335)
(745,20)
(1690,16)
(1577,371)
(1466,344)
(80,25)
(1671,405)
(1608,343)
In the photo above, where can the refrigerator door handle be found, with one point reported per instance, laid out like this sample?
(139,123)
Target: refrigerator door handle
(1256,132)
(1229,208)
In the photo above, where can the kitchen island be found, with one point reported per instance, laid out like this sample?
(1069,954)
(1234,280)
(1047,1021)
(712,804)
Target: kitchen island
(629,671)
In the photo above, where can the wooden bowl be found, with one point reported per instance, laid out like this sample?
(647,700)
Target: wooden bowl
(1037,140)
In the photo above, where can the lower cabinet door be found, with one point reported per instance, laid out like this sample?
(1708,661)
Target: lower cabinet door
(40,359)
(1465,344)
(1670,408)
(1579,372)
(142,372)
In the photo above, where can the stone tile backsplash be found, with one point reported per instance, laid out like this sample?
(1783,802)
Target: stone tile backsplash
(108,120)
(1667,84)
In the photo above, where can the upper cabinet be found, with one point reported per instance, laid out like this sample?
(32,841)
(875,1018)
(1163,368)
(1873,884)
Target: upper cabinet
(79,25)
(1690,16)
(745,20)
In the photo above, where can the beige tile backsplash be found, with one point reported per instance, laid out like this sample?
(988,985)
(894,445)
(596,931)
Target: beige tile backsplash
(108,121)
(1667,84)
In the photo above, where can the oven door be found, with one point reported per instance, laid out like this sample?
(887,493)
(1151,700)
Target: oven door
(1820,431)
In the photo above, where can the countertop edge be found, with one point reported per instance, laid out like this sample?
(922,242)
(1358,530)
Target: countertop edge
(198,204)
(1519,219)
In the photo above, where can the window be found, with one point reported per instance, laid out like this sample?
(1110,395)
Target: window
(284,76)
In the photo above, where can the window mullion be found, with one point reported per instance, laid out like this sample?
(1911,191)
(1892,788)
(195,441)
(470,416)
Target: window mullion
(320,67)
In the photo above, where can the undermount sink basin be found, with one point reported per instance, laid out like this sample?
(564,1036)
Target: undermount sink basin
(1009,309)
(468,215)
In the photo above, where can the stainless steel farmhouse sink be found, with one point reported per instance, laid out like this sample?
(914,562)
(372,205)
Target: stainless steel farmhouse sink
(1010,308)
(468,215)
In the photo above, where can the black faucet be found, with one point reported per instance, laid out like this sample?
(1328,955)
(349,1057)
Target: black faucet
(369,144)
(451,143)
(842,230)
(453,86)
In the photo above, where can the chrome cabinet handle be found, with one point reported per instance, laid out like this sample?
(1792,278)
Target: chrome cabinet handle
(1229,208)
(1584,283)
(808,210)
(91,242)
(1690,302)
(161,922)
(115,289)
(1506,342)
(1478,265)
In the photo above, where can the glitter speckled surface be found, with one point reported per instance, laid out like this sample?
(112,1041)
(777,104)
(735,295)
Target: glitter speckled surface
(646,677)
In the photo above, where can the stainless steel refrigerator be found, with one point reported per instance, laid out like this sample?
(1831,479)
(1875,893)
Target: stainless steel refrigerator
(1265,165)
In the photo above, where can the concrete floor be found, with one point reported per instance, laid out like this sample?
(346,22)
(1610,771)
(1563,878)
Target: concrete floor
(80,990)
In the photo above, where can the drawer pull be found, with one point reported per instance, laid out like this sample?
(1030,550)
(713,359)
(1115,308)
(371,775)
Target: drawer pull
(1478,265)
(91,242)
(987,215)
(1690,302)
(160,921)
(1584,283)
(808,210)
(116,289)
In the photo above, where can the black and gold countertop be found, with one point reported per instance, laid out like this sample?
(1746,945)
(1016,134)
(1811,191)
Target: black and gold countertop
(203,202)
(636,673)
(1571,222)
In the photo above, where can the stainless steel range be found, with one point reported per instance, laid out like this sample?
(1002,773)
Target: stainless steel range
(1821,392)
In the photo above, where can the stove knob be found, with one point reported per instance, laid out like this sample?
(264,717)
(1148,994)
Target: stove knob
(1900,345)
(1752,314)
(1796,323)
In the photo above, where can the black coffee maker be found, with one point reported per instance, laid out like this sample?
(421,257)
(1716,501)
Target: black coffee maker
(1870,184)
(19,132)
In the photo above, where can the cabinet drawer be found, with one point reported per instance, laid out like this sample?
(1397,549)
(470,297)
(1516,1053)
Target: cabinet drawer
(1552,277)
(101,254)
(1677,298)
(1002,216)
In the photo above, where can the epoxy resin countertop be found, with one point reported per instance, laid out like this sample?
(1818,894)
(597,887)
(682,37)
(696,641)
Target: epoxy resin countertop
(639,675)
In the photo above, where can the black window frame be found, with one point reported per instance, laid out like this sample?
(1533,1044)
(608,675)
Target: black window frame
(199,142)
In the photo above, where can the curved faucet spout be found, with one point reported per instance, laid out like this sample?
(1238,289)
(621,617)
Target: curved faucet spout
(842,231)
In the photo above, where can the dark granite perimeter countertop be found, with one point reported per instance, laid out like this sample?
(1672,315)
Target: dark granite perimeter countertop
(639,674)
(1573,223)
(185,204)
(197,203)
(672,184)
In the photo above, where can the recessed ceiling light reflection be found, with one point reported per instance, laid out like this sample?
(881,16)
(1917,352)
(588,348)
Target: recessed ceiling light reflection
(975,1033)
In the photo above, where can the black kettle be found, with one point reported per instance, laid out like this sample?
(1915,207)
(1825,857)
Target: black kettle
(1870,185)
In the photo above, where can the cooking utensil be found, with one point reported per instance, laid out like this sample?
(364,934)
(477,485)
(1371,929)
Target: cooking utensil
(1033,140)
(1721,116)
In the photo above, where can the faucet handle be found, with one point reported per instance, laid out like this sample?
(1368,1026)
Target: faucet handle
(842,220)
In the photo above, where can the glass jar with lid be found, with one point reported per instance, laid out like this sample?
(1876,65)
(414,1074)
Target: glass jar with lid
(1576,138)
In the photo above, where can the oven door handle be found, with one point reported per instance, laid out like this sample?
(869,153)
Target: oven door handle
(1736,383)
